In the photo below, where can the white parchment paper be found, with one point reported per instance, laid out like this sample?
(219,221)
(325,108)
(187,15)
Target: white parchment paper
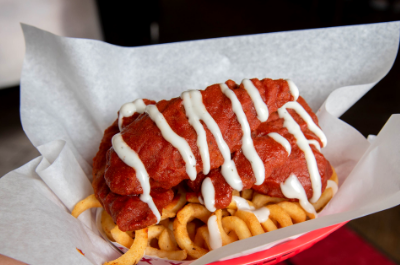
(71,90)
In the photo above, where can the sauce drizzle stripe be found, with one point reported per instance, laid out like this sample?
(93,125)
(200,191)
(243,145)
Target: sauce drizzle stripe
(331,184)
(281,140)
(293,89)
(303,144)
(196,111)
(228,168)
(247,142)
(242,203)
(131,158)
(261,214)
(128,109)
(208,192)
(315,143)
(259,104)
(174,139)
(213,231)
(293,189)
(307,118)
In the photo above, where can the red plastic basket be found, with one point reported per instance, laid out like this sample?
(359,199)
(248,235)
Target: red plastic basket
(283,251)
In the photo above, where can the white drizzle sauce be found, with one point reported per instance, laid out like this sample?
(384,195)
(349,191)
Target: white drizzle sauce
(262,213)
(247,142)
(213,231)
(281,140)
(307,118)
(303,143)
(131,158)
(315,143)
(293,189)
(242,203)
(128,109)
(259,104)
(201,200)
(293,89)
(174,139)
(331,184)
(208,192)
(196,111)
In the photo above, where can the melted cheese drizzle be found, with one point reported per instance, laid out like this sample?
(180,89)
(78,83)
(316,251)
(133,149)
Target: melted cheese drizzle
(331,184)
(128,109)
(131,158)
(303,143)
(281,140)
(259,104)
(174,139)
(196,111)
(293,189)
(213,231)
(247,142)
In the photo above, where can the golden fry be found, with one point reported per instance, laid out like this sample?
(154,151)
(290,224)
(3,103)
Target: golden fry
(136,251)
(260,200)
(226,238)
(87,203)
(166,240)
(107,224)
(278,214)
(120,237)
(251,221)
(294,210)
(247,194)
(236,224)
(185,215)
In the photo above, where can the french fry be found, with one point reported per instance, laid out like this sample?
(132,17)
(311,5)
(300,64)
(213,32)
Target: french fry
(122,238)
(185,215)
(87,203)
(155,231)
(136,251)
(107,224)
(251,221)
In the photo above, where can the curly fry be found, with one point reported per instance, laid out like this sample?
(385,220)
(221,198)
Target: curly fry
(280,215)
(269,225)
(226,238)
(87,203)
(120,237)
(136,251)
(107,224)
(259,200)
(202,237)
(236,224)
(156,231)
(251,221)
(184,216)
(294,210)
(167,241)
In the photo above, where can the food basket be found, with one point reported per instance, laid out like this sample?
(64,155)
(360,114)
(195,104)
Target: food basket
(284,250)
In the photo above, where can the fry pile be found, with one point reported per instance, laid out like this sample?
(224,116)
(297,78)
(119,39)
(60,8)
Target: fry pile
(183,232)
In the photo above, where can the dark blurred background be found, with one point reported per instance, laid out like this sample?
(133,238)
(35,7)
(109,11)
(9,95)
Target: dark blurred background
(137,23)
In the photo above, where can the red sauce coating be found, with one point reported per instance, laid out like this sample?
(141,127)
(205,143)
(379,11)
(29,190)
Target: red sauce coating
(117,188)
